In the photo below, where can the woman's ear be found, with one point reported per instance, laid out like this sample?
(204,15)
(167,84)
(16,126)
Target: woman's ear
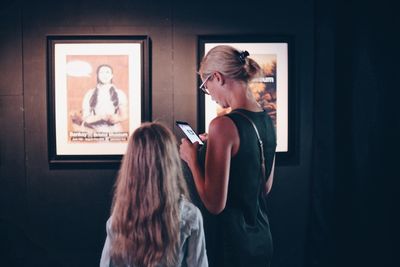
(220,78)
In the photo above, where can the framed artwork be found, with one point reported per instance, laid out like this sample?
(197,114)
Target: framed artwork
(98,94)
(274,91)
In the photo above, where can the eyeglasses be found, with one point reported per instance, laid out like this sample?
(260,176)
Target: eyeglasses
(203,87)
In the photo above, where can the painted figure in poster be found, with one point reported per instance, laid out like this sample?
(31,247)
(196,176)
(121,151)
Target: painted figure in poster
(103,107)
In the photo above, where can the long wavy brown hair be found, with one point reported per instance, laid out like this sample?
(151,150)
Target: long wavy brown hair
(145,210)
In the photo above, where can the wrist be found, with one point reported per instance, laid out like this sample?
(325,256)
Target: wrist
(193,165)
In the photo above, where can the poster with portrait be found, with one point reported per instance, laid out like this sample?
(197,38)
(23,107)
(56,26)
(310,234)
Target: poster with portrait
(271,90)
(98,95)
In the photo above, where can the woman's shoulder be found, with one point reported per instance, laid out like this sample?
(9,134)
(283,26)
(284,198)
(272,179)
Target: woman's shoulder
(221,125)
(88,94)
(90,91)
(121,94)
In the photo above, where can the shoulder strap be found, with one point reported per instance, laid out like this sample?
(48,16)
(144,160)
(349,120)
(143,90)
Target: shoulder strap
(262,158)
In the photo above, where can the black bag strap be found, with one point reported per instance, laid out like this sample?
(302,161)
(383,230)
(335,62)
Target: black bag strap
(262,158)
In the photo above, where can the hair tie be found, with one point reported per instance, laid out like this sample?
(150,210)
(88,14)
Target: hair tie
(242,56)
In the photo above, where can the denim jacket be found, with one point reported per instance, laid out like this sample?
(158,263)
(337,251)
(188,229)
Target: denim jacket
(192,252)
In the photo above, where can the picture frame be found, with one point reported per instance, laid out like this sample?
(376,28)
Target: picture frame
(274,92)
(98,94)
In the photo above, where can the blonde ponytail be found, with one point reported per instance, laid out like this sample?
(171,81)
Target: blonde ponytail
(231,63)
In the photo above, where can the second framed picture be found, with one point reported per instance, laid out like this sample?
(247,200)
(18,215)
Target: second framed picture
(274,91)
(98,94)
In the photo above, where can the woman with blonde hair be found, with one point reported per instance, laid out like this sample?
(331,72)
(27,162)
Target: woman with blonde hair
(152,223)
(234,169)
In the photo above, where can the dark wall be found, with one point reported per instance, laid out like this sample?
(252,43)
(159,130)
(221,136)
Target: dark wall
(367,186)
(355,185)
(57,217)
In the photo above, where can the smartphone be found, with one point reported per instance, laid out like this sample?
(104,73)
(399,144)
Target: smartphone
(188,131)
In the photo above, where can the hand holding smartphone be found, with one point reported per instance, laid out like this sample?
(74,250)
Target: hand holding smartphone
(189,132)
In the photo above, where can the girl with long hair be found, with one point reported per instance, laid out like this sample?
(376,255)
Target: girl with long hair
(152,223)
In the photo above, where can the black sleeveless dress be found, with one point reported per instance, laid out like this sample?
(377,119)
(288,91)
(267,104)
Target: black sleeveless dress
(240,234)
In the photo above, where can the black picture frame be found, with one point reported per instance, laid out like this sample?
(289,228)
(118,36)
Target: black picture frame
(263,47)
(71,64)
